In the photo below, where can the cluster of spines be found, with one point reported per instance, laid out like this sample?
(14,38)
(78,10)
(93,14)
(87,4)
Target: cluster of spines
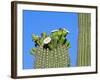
(56,58)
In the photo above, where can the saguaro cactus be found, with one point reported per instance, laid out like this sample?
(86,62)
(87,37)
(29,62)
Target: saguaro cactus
(52,50)
(84,40)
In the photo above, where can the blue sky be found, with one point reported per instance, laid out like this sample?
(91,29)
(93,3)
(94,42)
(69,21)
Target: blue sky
(45,21)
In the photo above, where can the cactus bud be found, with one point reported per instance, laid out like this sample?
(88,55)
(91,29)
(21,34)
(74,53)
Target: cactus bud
(44,35)
(34,37)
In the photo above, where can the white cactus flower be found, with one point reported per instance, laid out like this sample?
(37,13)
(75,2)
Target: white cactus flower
(65,30)
(54,30)
(47,40)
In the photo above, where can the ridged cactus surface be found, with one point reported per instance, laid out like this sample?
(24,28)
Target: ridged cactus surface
(56,58)
(84,40)
(51,51)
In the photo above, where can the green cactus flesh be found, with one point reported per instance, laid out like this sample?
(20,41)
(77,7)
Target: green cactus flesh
(56,58)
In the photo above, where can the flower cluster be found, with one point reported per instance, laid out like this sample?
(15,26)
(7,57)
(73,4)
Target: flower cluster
(54,39)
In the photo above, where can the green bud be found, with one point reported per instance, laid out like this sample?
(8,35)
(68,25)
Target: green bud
(64,33)
(44,35)
(67,44)
(59,32)
(34,37)
(41,41)
(62,39)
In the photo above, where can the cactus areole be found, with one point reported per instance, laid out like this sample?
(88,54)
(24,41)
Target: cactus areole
(51,50)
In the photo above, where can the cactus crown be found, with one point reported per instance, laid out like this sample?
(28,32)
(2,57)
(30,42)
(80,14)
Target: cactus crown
(51,41)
